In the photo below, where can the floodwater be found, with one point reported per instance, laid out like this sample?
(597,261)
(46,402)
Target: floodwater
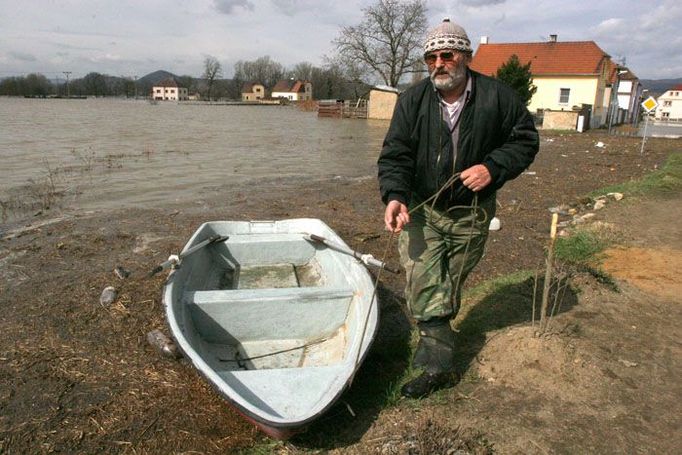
(114,153)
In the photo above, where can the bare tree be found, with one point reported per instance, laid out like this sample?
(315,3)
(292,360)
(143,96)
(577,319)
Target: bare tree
(304,71)
(262,70)
(212,70)
(389,39)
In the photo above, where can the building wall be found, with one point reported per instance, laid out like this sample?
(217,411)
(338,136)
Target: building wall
(381,104)
(560,120)
(291,96)
(582,90)
(308,91)
(170,93)
(257,93)
(669,106)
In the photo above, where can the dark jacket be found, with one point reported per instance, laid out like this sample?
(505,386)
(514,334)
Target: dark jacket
(495,129)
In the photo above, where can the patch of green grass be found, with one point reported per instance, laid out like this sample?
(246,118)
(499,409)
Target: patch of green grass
(492,286)
(580,247)
(667,178)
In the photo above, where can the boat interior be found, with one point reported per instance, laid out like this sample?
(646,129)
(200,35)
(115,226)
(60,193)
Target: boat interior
(268,301)
(277,317)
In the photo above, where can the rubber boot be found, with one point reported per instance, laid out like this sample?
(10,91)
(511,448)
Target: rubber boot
(435,355)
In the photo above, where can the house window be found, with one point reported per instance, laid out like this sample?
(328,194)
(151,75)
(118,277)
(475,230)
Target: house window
(563,95)
(665,114)
(667,103)
(158,90)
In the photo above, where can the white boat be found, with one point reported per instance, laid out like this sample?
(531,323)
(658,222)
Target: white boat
(277,322)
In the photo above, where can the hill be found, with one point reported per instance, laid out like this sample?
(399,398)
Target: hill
(659,86)
(155,77)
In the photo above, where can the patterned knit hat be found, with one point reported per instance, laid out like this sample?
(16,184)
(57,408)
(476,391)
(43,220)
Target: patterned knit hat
(447,35)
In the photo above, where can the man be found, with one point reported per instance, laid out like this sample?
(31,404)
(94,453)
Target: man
(461,125)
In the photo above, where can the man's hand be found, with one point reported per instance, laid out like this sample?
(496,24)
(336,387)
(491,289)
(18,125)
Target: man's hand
(476,177)
(396,216)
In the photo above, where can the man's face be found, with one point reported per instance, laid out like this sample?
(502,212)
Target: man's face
(447,68)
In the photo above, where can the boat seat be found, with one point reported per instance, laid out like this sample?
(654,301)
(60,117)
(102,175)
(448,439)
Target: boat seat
(289,393)
(236,316)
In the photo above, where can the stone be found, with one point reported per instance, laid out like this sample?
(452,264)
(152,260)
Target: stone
(108,296)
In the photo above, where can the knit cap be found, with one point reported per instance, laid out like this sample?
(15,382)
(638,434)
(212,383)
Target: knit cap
(447,35)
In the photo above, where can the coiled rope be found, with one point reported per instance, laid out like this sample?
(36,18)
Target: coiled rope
(433,200)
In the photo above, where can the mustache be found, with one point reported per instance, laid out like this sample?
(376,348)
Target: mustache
(437,72)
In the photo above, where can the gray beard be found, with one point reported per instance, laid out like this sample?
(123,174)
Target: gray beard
(456,77)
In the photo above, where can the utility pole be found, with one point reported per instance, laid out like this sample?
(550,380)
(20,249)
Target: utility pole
(67,74)
(135,86)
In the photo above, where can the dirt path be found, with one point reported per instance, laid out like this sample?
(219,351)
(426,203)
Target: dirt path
(79,378)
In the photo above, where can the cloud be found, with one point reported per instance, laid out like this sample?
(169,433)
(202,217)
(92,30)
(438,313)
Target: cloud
(230,6)
(22,56)
(481,3)
(292,7)
(609,25)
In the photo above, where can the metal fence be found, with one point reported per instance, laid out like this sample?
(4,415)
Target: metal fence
(342,108)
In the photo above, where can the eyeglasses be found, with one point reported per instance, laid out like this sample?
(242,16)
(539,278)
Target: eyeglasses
(446,57)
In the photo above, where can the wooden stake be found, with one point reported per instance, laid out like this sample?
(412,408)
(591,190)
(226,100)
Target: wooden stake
(548,274)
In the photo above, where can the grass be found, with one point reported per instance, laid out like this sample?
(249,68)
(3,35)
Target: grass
(667,178)
(585,244)
(580,247)
(492,286)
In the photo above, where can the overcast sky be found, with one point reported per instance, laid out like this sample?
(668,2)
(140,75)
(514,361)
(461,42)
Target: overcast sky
(134,38)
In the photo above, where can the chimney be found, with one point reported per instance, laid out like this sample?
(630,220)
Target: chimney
(552,38)
(484,39)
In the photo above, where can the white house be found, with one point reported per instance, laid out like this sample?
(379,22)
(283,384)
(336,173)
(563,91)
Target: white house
(293,90)
(168,89)
(670,104)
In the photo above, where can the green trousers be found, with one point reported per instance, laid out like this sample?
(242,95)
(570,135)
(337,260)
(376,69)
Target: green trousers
(438,250)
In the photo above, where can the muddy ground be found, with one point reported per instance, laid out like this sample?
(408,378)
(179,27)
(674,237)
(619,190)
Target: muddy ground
(77,377)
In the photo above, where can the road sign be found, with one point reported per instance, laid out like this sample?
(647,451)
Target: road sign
(649,104)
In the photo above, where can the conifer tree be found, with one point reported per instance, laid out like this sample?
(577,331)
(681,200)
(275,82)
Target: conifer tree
(518,77)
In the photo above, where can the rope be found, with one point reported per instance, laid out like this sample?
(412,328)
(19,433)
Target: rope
(369,310)
(364,258)
(240,361)
(434,199)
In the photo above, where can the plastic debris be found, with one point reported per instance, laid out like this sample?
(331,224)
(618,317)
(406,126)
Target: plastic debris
(163,344)
(627,363)
(560,209)
(616,196)
(599,204)
(495,224)
(600,144)
(108,296)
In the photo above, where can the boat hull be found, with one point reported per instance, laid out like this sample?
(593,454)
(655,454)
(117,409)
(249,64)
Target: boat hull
(276,323)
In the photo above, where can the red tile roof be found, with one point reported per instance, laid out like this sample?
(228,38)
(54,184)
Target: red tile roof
(249,86)
(677,87)
(170,82)
(550,58)
(289,85)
